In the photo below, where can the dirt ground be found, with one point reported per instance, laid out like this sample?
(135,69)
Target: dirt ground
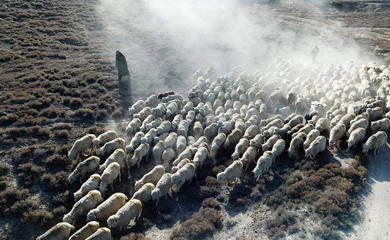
(46,45)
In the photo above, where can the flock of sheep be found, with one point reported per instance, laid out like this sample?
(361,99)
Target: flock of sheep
(291,108)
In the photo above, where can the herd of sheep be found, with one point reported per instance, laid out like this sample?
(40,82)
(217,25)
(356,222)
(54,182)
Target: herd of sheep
(294,107)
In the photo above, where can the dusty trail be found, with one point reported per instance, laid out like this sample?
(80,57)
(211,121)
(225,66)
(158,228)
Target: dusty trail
(375,196)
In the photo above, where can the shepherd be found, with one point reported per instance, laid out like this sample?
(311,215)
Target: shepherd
(121,65)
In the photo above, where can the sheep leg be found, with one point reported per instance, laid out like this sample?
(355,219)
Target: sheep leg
(120,176)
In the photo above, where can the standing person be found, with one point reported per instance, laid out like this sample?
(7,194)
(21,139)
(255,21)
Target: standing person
(121,65)
(314,53)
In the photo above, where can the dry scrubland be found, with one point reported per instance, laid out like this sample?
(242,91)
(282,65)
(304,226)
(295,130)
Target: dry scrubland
(57,85)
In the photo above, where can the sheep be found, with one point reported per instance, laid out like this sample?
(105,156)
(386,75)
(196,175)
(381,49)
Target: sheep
(101,234)
(335,120)
(148,120)
(110,147)
(181,164)
(85,167)
(274,123)
(135,142)
(375,141)
(136,107)
(231,173)
(146,111)
(226,127)
(305,129)
(381,125)
(170,141)
(197,130)
(139,153)
(160,110)
(362,123)
(216,144)
(133,126)
(103,138)
(162,187)
(60,231)
(375,113)
(167,156)
(91,184)
(298,119)
(157,152)
(360,117)
(263,164)
(126,215)
(314,119)
(253,120)
(201,141)
(107,208)
(80,146)
(82,206)
(240,148)
(211,131)
(355,137)
(190,117)
(186,108)
(152,176)
(182,128)
(318,145)
(257,141)
(181,144)
(251,132)
(165,126)
(144,194)
(296,143)
(270,142)
(172,110)
(248,156)
(152,101)
(233,138)
(108,176)
(200,156)
(86,231)
(149,136)
(118,156)
(322,125)
(187,153)
(336,133)
(180,177)
(346,119)
(278,148)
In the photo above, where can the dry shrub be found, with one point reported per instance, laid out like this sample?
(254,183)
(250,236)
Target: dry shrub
(118,114)
(41,216)
(75,102)
(60,126)
(133,236)
(62,134)
(27,171)
(53,112)
(199,226)
(4,168)
(44,133)
(8,119)
(11,195)
(96,130)
(54,181)
(211,203)
(84,113)
(57,160)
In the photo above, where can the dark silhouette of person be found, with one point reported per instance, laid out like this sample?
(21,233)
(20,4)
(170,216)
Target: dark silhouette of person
(121,65)
(314,53)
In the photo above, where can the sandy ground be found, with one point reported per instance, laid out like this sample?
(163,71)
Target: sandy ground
(375,222)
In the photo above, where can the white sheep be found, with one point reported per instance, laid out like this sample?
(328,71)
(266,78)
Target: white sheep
(270,142)
(157,152)
(170,141)
(181,164)
(181,144)
(144,194)
(160,110)
(274,123)
(305,129)
(162,187)
(375,141)
(240,148)
(231,173)
(248,156)
(187,107)
(200,156)
(147,122)
(296,143)
(85,167)
(81,146)
(362,123)
(60,231)
(101,234)
(318,145)
(82,206)
(152,176)
(263,164)
(133,126)
(136,107)
(336,133)
(197,129)
(86,231)
(91,184)
(211,131)
(182,175)
(251,132)
(253,120)
(335,120)
(149,136)
(108,176)
(165,126)
(167,156)
(126,215)
(355,137)
(103,138)
(257,141)
(323,125)
(216,144)
(381,125)
(152,101)
(375,113)
(172,110)
(135,142)
(226,127)
(182,128)
(110,147)
(145,112)
(201,141)
(139,153)
(118,156)
(297,119)
(190,117)
(233,138)
(278,148)
(107,208)
(187,153)
(311,136)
